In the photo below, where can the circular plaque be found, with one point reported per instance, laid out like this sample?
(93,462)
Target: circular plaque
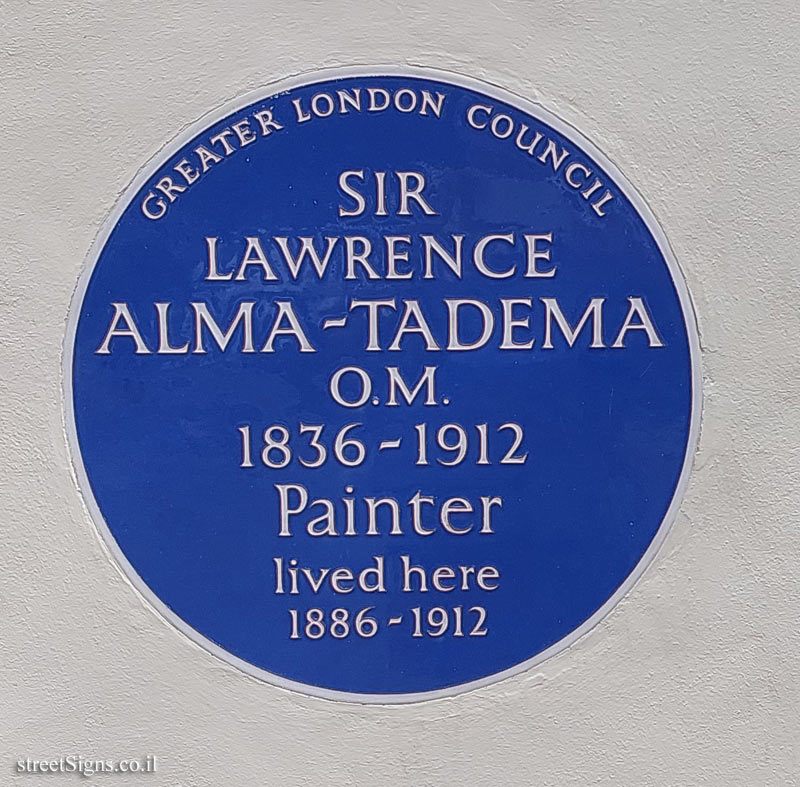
(382,384)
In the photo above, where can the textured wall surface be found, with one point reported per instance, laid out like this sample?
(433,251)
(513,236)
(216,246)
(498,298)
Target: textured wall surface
(693,678)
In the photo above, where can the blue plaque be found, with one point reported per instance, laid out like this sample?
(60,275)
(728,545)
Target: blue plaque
(382,385)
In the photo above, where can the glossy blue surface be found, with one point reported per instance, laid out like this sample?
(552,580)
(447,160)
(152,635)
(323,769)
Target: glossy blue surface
(606,430)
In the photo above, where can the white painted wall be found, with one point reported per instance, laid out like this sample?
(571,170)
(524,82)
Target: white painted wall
(693,679)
